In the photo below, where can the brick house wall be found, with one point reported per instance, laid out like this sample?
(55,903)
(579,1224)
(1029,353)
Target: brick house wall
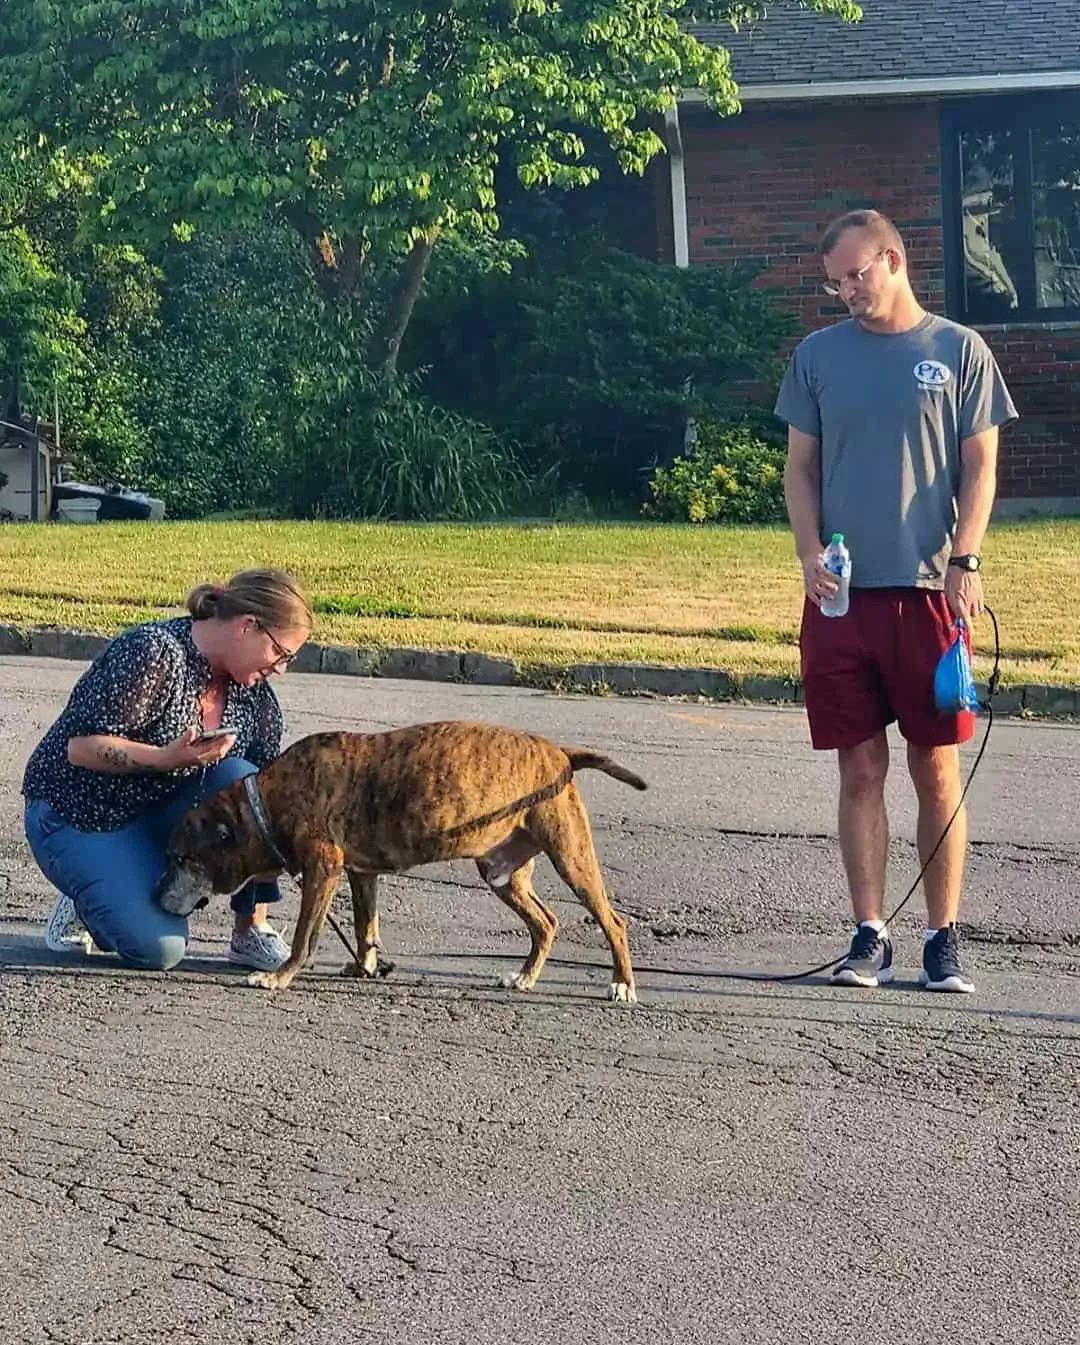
(761,186)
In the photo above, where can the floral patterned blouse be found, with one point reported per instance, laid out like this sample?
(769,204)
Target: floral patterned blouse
(146,686)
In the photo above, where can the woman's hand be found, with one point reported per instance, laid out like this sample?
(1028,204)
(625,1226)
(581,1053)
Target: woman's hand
(190,751)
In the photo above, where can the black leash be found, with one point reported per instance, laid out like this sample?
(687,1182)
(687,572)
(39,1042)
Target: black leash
(776,978)
(341,935)
(988,707)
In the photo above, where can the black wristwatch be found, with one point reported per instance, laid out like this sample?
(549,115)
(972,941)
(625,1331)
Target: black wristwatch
(965,562)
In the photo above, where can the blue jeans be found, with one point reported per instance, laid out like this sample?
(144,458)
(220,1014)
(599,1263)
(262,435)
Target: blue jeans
(111,875)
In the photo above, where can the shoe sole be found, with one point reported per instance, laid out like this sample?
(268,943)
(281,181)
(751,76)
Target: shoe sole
(845,976)
(951,985)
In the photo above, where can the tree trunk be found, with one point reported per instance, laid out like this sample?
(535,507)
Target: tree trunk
(338,266)
(387,344)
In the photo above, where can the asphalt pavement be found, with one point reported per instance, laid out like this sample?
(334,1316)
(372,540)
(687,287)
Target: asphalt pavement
(432,1159)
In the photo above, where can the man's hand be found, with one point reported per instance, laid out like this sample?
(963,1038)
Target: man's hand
(964,593)
(817,581)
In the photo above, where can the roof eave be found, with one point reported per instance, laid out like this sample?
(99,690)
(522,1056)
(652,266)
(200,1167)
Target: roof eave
(929,87)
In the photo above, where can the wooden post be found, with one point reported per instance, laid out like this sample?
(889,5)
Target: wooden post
(35,474)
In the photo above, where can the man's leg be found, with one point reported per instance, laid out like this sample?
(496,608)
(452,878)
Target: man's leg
(864,825)
(926,632)
(864,845)
(849,712)
(935,773)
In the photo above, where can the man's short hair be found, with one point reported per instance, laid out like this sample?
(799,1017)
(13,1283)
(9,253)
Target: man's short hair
(879,226)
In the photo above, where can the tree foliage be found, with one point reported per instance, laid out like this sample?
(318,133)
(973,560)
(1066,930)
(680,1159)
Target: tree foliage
(315,152)
(370,125)
(244,388)
(41,330)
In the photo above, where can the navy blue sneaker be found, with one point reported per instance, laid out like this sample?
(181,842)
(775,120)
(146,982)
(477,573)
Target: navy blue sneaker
(869,960)
(942,968)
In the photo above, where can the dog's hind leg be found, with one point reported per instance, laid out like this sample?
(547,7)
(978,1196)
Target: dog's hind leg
(515,890)
(322,872)
(561,826)
(365,895)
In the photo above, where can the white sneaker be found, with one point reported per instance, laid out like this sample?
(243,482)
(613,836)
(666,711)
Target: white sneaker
(260,947)
(65,932)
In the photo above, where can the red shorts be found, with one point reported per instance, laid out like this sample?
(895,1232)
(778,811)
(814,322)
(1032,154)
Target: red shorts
(876,664)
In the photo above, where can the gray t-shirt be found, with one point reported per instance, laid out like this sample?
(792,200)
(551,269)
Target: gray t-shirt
(890,413)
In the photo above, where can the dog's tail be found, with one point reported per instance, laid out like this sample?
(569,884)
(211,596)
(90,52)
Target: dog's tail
(583,760)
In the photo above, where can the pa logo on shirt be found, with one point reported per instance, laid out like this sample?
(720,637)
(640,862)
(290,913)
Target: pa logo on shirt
(932,374)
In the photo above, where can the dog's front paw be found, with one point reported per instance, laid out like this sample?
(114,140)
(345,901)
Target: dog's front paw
(268,980)
(622,993)
(518,980)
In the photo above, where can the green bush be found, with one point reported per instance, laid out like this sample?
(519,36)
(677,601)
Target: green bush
(731,474)
(592,359)
(400,456)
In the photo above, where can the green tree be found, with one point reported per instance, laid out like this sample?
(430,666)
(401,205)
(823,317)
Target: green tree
(371,126)
(41,331)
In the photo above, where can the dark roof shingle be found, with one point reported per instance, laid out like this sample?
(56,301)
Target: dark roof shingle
(905,39)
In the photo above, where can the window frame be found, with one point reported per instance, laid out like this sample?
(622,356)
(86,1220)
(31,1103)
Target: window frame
(1023,112)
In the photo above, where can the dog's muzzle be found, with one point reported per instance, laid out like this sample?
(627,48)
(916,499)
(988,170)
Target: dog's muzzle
(177,893)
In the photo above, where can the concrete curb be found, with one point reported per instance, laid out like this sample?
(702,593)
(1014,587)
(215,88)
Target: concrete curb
(621,679)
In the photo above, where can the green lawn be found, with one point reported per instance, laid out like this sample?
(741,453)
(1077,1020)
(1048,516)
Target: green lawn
(543,593)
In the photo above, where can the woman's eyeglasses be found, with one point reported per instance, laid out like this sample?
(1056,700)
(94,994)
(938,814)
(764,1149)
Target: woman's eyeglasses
(284,656)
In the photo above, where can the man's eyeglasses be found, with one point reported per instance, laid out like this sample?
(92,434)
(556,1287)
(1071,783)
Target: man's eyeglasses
(834,287)
(284,656)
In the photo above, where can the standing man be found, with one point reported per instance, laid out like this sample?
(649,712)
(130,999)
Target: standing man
(893,422)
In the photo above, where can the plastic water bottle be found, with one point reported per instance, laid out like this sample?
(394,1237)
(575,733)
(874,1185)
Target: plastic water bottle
(838,564)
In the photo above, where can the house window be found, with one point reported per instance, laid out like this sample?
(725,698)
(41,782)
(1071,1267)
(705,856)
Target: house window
(1012,208)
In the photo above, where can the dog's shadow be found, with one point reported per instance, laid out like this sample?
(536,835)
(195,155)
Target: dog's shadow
(25,955)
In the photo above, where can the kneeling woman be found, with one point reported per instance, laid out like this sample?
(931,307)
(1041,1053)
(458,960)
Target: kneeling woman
(127,758)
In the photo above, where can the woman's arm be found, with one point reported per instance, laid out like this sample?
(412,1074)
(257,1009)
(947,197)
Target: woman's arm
(122,756)
(117,756)
(116,702)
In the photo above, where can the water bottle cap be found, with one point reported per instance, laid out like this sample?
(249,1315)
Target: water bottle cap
(838,539)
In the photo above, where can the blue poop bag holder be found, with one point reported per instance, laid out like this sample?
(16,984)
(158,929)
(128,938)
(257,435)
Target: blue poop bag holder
(954,685)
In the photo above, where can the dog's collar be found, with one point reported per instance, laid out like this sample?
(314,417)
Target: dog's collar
(262,821)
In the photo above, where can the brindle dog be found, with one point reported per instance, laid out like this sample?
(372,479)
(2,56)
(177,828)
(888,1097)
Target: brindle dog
(373,803)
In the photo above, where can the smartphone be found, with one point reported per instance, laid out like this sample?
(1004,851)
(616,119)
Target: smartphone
(207,734)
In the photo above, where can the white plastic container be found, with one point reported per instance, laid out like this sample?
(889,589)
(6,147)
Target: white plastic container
(77,511)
